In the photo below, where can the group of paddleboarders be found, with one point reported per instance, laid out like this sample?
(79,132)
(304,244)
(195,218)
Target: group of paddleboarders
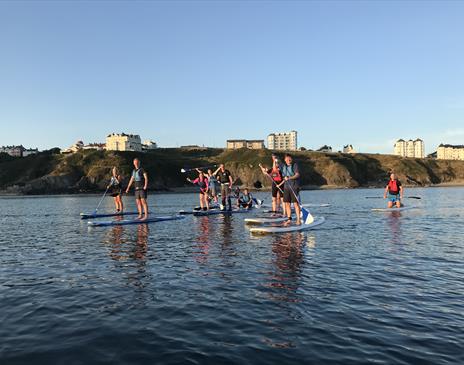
(139,178)
(285,186)
(207,184)
(285,178)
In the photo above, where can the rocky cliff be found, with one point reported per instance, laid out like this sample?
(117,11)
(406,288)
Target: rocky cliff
(89,171)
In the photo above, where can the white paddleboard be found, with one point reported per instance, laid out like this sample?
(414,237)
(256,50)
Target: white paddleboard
(291,228)
(265,220)
(394,209)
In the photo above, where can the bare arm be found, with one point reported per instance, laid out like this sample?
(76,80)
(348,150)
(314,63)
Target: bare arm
(130,184)
(385,192)
(217,170)
(401,191)
(145,175)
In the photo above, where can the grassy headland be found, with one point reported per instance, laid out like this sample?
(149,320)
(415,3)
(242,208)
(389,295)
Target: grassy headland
(89,171)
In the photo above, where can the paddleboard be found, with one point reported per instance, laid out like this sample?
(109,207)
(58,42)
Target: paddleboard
(187,212)
(292,228)
(394,209)
(218,211)
(126,222)
(265,220)
(105,215)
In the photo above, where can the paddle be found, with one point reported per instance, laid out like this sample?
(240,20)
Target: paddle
(101,200)
(307,216)
(380,197)
(195,168)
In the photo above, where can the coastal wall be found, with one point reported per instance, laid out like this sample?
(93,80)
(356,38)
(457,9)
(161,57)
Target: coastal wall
(89,171)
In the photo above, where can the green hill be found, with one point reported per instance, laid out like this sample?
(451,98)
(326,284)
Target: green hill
(89,171)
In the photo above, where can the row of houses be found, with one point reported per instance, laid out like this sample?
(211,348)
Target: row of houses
(18,151)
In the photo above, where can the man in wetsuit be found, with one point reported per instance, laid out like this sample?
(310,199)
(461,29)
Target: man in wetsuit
(140,180)
(225,179)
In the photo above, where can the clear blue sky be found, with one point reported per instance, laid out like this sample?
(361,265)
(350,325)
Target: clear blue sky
(200,72)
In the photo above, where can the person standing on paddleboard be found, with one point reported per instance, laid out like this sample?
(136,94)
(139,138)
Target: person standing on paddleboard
(140,180)
(212,181)
(277,179)
(291,183)
(116,189)
(394,192)
(225,179)
(203,184)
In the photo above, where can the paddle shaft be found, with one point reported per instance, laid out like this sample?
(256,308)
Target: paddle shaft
(101,200)
(196,168)
(270,177)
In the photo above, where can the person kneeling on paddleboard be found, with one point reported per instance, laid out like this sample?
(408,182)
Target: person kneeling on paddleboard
(291,175)
(203,184)
(245,200)
(226,181)
(140,180)
(116,189)
(394,192)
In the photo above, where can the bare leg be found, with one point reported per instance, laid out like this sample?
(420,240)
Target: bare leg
(274,204)
(206,201)
(298,213)
(116,203)
(390,204)
(398,204)
(145,208)
(121,205)
(201,201)
(139,208)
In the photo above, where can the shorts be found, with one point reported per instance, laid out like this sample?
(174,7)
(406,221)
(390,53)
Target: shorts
(225,190)
(212,190)
(275,190)
(289,197)
(394,198)
(203,192)
(141,194)
(116,192)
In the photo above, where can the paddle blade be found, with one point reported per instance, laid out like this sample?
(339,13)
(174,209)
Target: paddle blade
(307,216)
(183,171)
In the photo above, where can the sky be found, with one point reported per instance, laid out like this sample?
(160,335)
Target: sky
(201,72)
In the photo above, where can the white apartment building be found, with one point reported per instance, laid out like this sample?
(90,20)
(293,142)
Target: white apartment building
(123,142)
(450,152)
(410,148)
(287,141)
(348,149)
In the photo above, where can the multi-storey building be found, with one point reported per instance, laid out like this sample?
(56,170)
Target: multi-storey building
(15,151)
(450,152)
(287,141)
(410,148)
(123,142)
(254,144)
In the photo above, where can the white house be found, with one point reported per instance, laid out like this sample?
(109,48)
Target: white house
(123,142)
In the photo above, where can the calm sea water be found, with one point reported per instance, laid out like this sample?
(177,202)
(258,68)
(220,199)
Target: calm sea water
(384,288)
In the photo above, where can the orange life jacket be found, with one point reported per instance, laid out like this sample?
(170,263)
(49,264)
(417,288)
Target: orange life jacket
(393,187)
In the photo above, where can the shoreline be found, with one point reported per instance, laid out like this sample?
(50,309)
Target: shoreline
(191,190)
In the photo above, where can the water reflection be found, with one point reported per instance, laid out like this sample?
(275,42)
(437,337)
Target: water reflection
(288,260)
(202,242)
(394,223)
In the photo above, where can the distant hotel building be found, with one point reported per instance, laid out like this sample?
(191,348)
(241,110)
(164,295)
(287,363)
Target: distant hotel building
(410,148)
(254,144)
(123,142)
(450,152)
(18,151)
(348,149)
(283,141)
